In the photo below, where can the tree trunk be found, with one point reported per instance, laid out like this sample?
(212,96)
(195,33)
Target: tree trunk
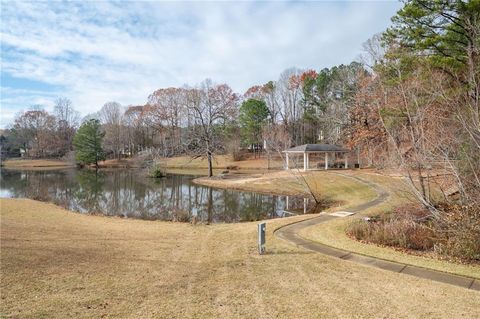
(210,206)
(210,168)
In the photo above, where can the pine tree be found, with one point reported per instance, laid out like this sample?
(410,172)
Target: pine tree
(88,143)
(253,115)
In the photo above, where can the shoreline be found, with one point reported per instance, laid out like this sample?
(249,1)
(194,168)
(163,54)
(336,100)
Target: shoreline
(245,181)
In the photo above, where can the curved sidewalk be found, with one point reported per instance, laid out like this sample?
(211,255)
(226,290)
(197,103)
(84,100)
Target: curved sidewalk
(290,233)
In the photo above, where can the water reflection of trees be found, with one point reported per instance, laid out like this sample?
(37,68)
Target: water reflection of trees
(88,194)
(126,193)
(40,185)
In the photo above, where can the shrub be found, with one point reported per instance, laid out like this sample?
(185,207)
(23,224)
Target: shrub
(157,172)
(237,156)
(359,229)
(403,233)
(179,215)
(460,232)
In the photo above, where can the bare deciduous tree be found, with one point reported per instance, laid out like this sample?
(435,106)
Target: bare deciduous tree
(35,130)
(166,109)
(212,106)
(111,116)
(68,120)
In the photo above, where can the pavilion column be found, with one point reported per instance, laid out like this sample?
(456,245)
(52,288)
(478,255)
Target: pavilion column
(286,161)
(346,160)
(305,161)
(326,160)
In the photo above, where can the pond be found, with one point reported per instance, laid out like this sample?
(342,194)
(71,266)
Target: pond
(129,194)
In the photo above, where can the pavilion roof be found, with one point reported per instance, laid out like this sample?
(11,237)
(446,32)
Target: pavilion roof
(317,148)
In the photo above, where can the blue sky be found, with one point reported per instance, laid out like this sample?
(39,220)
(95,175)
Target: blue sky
(94,52)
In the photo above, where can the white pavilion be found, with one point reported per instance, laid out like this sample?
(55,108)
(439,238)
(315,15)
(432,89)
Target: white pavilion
(330,151)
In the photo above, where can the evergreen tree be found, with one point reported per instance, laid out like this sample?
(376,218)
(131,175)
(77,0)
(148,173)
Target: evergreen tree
(88,143)
(253,114)
(445,31)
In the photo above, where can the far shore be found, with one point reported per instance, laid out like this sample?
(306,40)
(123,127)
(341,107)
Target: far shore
(36,164)
(221,162)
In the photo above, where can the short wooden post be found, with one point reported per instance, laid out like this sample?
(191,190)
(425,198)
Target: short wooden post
(261,238)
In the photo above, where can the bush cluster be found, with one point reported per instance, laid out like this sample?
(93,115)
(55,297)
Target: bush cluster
(455,234)
(459,232)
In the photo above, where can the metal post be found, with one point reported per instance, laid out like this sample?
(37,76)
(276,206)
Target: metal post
(326,160)
(261,238)
(286,161)
(346,160)
(305,162)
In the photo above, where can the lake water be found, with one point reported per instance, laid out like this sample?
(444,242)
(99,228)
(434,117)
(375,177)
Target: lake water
(127,193)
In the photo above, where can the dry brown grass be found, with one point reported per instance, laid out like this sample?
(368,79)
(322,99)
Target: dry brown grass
(37,163)
(65,265)
(221,162)
(116,163)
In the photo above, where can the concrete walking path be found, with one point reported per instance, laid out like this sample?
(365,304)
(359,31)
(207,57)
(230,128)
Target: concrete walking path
(290,233)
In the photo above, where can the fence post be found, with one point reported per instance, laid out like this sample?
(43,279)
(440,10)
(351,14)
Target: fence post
(261,238)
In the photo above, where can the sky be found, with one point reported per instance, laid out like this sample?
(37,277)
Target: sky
(93,52)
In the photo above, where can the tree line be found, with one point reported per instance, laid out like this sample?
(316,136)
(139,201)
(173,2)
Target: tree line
(39,134)
(206,119)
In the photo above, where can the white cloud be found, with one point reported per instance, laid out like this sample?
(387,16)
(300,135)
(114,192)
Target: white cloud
(103,51)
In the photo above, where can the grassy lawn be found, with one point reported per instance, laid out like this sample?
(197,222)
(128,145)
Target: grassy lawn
(220,162)
(36,163)
(344,192)
(328,186)
(60,264)
(333,232)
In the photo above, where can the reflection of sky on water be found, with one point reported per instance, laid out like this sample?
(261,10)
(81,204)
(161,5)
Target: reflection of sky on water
(126,193)
(5,193)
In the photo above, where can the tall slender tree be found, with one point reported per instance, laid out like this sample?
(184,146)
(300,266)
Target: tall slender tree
(252,117)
